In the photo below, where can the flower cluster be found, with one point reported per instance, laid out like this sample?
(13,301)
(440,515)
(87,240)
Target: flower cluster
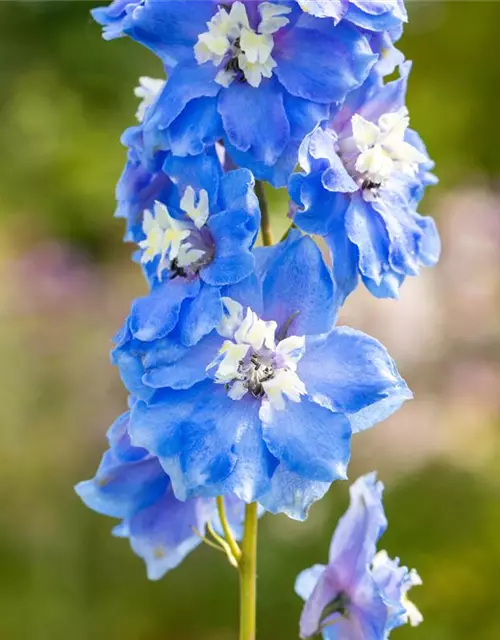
(243,389)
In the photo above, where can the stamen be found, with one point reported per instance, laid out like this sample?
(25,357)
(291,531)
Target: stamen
(251,362)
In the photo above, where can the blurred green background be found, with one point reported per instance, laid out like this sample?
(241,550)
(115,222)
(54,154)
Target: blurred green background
(65,285)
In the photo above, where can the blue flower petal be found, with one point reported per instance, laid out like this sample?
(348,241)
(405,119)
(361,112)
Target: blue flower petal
(185,371)
(248,292)
(312,441)
(291,494)
(322,66)
(335,9)
(430,243)
(187,82)
(195,434)
(307,579)
(234,233)
(345,260)
(199,172)
(298,289)
(155,315)
(163,534)
(119,489)
(365,228)
(197,128)
(377,15)
(201,315)
(403,231)
(350,372)
(170,29)
(255,119)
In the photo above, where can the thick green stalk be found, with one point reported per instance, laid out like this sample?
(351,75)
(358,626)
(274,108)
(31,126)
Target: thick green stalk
(248,575)
(265,220)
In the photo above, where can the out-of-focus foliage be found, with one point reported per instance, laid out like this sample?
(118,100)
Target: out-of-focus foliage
(66,282)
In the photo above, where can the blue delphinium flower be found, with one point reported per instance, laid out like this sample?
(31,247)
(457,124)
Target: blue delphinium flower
(264,406)
(363,178)
(194,237)
(360,594)
(131,485)
(258,75)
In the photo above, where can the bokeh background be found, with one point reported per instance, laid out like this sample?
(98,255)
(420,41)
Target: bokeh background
(65,285)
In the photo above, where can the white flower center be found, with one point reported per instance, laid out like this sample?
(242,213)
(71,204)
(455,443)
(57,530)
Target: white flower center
(148,89)
(250,361)
(375,152)
(180,244)
(233,45)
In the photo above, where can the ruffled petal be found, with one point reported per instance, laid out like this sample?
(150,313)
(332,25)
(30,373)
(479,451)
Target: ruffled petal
(291,494)
(377,15)
(335,9)
(303,116)
(350,372)
(170,29)
(186,83)
(233,230)
(430,243)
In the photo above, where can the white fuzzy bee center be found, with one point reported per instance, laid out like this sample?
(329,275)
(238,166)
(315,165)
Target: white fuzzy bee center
(174,241)
(250,361)
(233,45)
(377,150)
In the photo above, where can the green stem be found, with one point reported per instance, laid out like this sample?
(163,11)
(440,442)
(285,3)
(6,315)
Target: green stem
(228,534)
(247,563)
(248,574)
(265,220)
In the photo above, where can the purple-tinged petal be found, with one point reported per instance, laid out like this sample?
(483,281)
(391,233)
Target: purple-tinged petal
(164,533)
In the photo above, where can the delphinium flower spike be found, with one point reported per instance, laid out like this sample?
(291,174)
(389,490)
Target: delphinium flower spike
(245,394)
